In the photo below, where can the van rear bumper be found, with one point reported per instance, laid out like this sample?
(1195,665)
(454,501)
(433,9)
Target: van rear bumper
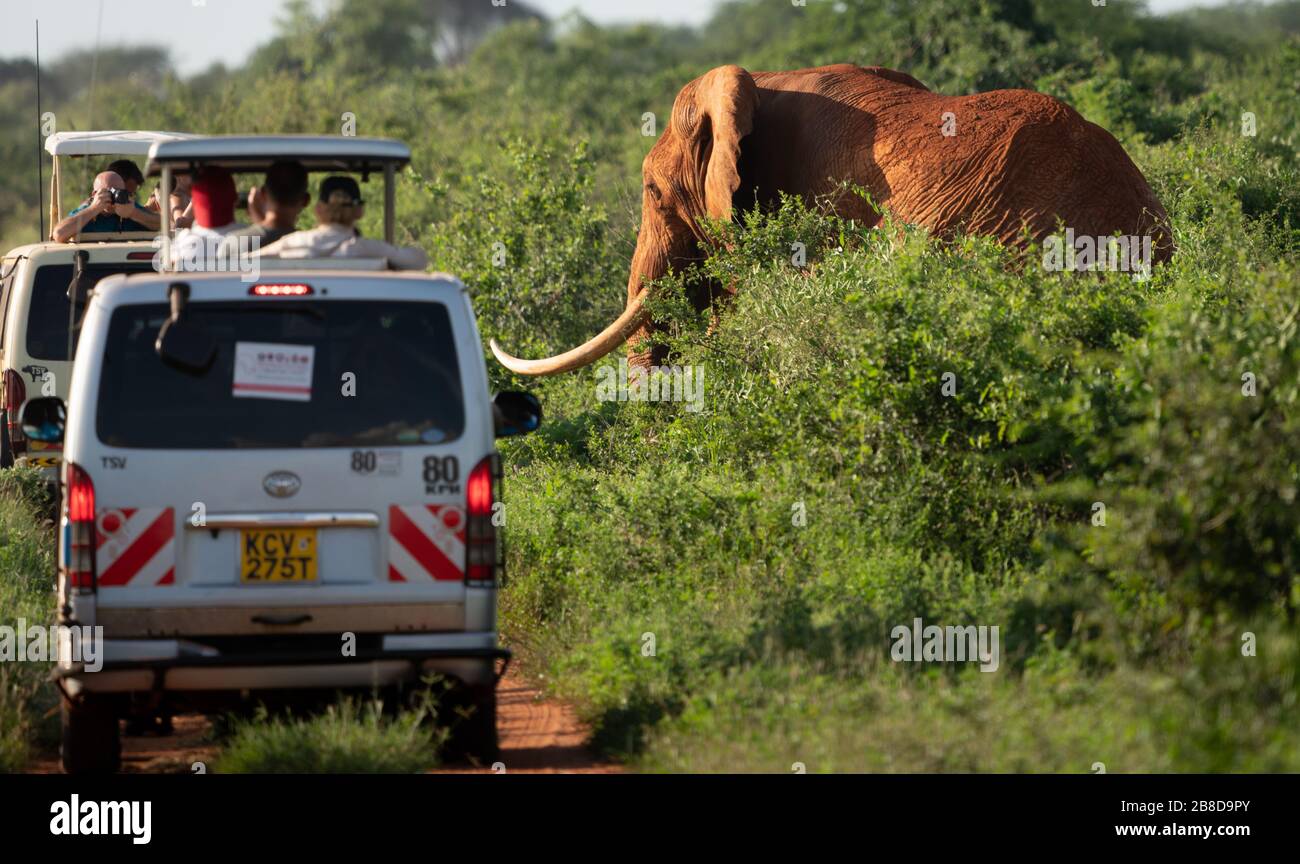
(160,666)
(211,619)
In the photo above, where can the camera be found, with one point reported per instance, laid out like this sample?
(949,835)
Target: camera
(120,196)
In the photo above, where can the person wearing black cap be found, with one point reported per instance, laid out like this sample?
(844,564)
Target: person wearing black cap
(338,208)
(134,179)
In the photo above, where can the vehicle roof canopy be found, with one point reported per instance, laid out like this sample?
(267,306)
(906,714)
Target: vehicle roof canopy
(250,153)
(78,145)
(108,143)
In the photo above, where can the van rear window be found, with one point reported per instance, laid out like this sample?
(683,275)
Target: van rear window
(47,316)
(369,374)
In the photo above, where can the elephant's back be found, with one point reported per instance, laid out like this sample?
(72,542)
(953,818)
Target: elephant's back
(838,81)
(1084,177)
(1013,162)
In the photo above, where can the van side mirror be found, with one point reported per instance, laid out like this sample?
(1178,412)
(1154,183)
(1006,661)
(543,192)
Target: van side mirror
(182,343)
(44,418)
(515,413)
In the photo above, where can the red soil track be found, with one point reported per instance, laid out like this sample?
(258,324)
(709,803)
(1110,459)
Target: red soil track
(537,737)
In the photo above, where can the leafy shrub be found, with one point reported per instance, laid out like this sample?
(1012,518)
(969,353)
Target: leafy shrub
(1204,484)
(824,396)
(524,242)
(27,567)
(352,736)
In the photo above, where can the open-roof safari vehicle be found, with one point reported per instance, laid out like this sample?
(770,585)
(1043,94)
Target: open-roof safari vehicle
(40,283)
(256,153)
(278,487)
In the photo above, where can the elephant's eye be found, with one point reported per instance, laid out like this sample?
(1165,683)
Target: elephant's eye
(654,190)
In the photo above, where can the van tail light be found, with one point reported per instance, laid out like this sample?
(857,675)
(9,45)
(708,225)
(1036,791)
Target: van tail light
(281,289)
(78,562)
(14,396)
(482,558)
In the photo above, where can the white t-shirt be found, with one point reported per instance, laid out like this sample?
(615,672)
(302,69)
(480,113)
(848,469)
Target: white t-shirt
(339,241)
(196,249)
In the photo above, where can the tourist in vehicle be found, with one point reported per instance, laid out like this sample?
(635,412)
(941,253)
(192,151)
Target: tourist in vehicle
(110,207)
(130,174)
(182,209)
(134,179)
(273,208)
(338,208)
(213,197)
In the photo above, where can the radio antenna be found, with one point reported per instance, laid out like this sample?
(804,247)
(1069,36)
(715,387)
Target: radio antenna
(40,165)
(94,78)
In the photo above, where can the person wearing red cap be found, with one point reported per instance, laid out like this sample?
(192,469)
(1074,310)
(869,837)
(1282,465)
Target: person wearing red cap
(212,201)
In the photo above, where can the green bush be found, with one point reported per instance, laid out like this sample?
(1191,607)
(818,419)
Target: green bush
(27,569)
(532,250)
(353,736)
(1205,482)
(642,525)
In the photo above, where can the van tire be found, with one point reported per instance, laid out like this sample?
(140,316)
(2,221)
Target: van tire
(92,741)
(6,451)
(472,719)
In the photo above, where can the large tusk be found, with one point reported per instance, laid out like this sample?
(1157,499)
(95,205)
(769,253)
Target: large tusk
(588,352)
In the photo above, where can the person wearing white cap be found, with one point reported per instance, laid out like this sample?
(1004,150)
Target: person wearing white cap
(338,207)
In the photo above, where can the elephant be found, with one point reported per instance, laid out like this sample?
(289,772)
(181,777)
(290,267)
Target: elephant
(1012,164)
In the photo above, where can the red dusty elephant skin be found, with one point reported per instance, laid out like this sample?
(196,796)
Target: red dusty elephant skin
(1008,163)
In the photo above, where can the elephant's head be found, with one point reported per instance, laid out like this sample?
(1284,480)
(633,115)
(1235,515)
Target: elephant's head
(691,172)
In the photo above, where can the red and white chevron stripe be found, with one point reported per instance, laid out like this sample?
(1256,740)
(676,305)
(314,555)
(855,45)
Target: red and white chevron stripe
(135,547)
(426,541)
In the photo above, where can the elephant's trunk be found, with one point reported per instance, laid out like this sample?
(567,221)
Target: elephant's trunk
(648,263)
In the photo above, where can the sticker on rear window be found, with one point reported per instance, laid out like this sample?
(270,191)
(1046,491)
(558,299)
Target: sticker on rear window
(268,370)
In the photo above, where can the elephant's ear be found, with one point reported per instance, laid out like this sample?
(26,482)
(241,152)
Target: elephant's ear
(714,114)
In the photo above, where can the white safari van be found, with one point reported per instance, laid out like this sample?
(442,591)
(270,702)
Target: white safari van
(43,287)
(39,311)
(276,487)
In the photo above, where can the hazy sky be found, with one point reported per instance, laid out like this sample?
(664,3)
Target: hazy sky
(201,32)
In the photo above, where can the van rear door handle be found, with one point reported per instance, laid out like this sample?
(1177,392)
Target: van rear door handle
(287,620)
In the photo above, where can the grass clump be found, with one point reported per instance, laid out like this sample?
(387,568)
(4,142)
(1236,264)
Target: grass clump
(352,736)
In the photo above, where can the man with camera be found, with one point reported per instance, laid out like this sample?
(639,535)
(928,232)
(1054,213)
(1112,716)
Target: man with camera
(110,207)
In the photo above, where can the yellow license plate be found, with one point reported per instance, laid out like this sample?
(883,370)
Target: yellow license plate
(277,555)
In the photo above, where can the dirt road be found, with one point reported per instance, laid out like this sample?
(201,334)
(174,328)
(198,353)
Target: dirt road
(537,737)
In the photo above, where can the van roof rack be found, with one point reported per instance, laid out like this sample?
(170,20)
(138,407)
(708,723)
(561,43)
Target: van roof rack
(119,142)
(114,237)
(255,153)
(276,264)
(258,152)
(112,142)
